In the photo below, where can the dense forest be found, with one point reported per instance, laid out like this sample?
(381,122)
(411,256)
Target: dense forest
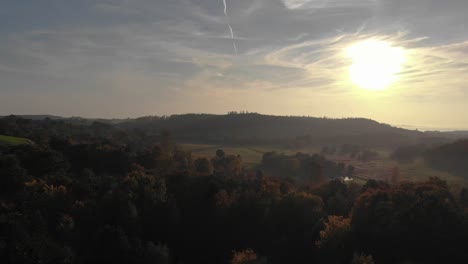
(101,192)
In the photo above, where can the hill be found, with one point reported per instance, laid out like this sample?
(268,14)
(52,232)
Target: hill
(232,129)
(266,129)
(36,117)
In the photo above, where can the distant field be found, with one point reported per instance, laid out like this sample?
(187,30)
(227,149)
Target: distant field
(7,140)
(251,155)
(417,171)
(379,169)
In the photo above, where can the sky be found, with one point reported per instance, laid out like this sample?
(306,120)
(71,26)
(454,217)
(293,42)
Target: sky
(130,58)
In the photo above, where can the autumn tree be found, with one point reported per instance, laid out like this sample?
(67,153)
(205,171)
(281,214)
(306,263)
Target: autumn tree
(411,219)
(335,241)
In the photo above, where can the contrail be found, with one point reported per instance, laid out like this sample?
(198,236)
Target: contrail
(230,28)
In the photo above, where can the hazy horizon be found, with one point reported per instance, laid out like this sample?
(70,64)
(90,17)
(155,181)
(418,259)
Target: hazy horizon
(119,58)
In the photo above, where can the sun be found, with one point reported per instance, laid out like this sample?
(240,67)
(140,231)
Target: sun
(375,64)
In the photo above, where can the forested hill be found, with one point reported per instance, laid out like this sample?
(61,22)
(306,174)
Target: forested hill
(234,128)
(255,128)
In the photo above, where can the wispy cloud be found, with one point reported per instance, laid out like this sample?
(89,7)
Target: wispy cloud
(316,4)
(230,28)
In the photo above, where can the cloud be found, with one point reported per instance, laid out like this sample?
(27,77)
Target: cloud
(296,4)
(316,4)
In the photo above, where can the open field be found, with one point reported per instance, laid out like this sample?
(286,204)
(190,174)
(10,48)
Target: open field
(7,140)
(379,169)
(382,168)
(251,155)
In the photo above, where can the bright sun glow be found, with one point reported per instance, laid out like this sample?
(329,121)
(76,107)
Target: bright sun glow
(375,64)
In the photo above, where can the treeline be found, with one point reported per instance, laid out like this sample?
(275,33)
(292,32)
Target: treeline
(408,154)
(310,168)
(103,201)
(351,151)
(451,157)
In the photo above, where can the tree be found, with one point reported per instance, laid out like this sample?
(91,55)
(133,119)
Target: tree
(167,142)
(317,176)
(362,259)
(395,176)
(203,166)
(411,219)
(335,241)
(12,175)
(464,197)
(227,165)
(246,256)
(157,253)
(220,153)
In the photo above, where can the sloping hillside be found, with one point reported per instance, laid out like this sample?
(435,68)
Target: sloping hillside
(256,128)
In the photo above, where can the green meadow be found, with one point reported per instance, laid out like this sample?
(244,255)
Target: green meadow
(7,140)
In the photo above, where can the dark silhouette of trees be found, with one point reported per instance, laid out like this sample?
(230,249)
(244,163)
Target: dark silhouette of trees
(246,256)
(411,220)
(408,154)
(350,171)
(104,193)
(362,259)
(203,166)
(452,157)
(316,175)
(315,169)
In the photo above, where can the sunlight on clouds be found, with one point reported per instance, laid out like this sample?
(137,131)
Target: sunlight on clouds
(421,69)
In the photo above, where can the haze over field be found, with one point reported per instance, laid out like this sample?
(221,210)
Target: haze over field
(128,58)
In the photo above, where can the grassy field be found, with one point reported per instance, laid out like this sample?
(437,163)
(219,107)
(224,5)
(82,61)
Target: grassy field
(380,169)
(7,140)
(251,156)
